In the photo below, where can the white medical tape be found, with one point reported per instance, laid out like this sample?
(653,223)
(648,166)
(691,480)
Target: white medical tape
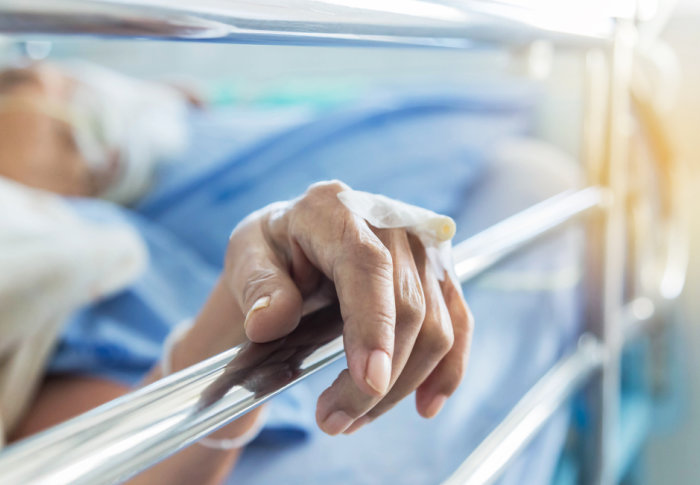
(435,231)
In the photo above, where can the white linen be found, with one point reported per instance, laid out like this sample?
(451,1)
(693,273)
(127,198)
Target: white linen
(51,263)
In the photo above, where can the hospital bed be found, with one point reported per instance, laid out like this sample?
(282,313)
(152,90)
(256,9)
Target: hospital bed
(623,297)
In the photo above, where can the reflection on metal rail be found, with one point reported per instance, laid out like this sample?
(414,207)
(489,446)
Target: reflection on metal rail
(129,434)
(481,251)
(489,460)
(486,463)
(322,22)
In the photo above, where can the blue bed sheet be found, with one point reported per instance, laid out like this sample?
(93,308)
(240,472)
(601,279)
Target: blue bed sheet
(429,150)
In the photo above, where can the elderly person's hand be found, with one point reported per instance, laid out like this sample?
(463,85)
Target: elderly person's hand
(404,329)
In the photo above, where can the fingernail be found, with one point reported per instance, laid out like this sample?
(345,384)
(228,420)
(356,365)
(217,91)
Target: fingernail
(435,405)
(336,422)
(262,302)
(378,371)
(357,425)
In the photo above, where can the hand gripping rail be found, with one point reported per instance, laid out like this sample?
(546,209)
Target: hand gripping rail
(431,23)
(117,440)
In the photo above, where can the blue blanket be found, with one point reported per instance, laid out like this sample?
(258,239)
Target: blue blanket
(427,149)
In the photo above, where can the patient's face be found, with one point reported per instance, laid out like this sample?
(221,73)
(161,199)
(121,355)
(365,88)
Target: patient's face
(37,147)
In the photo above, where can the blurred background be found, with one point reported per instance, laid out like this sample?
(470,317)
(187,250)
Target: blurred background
(671,456)
(322,78)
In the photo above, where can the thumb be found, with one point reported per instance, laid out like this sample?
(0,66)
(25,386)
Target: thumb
(265,292)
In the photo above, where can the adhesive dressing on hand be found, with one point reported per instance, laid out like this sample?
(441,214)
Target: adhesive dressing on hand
(435,231)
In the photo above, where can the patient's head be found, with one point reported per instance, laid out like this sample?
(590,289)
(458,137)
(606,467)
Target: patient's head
(37,146)
(83,130)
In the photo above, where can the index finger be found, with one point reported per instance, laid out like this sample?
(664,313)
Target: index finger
(344,247)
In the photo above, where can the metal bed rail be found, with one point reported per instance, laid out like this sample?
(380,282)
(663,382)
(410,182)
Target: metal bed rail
(530,414)
(428,23)
(569,375)
(612,321)
(120,438)
(129,434)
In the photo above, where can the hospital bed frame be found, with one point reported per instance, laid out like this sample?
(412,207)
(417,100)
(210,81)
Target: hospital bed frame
(129,434)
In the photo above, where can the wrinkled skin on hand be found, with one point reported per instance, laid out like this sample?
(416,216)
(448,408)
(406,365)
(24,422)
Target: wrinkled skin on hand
(264,367)
(404,328)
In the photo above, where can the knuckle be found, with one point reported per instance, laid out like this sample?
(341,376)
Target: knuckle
(453,376)
(385,324)
(464,324)
(370,254)
(348,398)
(363,254)
(324,191)
(438,339)
(327,187)
(453,373)
(320,204)
(256,284)
(410,297)
(469,324)
(411,308)
(469,327)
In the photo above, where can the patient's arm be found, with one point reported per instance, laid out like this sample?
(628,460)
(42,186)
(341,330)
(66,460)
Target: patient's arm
(391,302)
(63,397)
(406,328)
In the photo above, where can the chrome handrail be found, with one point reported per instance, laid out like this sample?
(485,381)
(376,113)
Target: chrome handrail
(117,440)
(485,464)
(446,23)
(532,412)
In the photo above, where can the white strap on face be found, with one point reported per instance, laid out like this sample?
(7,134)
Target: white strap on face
(22,103)
(137,123)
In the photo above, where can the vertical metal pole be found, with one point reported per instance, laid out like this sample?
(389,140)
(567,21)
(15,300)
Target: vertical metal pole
(607,159)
